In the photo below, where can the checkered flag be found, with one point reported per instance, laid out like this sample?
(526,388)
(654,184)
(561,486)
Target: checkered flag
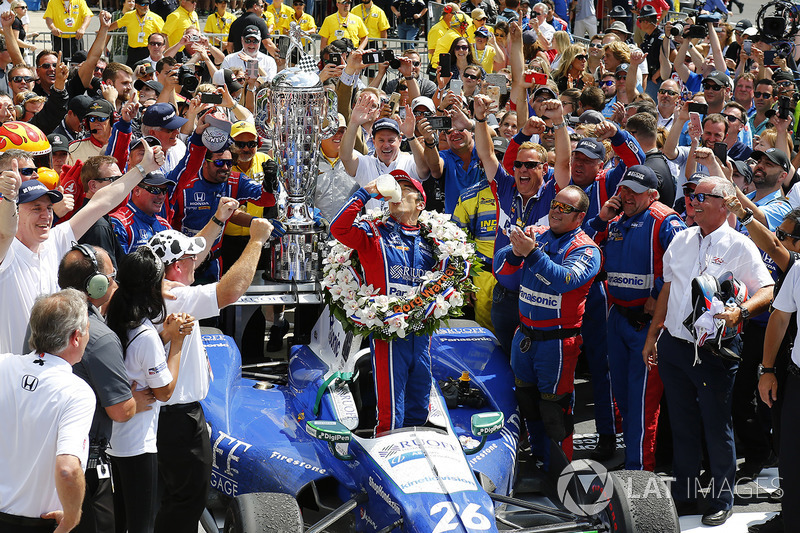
(306,62)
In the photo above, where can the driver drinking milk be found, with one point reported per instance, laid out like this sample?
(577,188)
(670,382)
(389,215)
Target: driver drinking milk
(402,367)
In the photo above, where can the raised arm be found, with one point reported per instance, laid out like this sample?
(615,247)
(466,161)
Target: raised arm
(10,182)
(12,45)
(562,173)
(483,137)
(86,70)
(237,280)
(362,112)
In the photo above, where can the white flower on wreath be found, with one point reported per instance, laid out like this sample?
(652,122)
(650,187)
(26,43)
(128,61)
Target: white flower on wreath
(369,315)
(351,307)
(397,324)
(336,292)
(382,303)
(455,299)
(442,308)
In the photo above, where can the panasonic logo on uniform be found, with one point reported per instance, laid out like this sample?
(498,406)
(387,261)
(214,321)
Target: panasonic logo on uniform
(630,281)
(540,299)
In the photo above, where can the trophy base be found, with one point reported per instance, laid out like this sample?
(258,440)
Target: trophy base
(297,256)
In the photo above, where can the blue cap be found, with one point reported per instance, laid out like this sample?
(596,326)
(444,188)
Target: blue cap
(639,179)
(163,115)
(591,148)
(385,124)
(31,190)
(482,32)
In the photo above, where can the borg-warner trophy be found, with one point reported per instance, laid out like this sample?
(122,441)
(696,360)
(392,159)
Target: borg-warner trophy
(296,112)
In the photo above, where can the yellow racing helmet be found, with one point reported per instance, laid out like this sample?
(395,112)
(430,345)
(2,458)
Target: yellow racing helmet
(16,135)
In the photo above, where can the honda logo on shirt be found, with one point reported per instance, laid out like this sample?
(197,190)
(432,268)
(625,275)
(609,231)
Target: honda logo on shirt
(199,197)
(29,383)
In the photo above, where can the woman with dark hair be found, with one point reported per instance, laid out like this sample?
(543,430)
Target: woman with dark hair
(461,56)
(133,311)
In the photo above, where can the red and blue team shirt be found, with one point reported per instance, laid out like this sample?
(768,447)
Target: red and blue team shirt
(133,227)
(553,280)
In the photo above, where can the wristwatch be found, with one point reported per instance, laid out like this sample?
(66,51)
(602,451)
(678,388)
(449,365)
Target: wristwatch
(748,217)
(744,312)
(559,125)
(765,370)
(140,168)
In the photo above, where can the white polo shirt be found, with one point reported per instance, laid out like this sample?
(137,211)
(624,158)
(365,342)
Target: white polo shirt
(24,275)
(265,62)
(47,412)
(195,374)
(146,363)
(786,301)
(690,254)
(370,167)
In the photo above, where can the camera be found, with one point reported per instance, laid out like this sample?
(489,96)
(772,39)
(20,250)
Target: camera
(187,78)
(696,32)
(784,107)
(677,29)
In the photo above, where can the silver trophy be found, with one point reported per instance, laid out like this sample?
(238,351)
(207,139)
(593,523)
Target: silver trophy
(296,113)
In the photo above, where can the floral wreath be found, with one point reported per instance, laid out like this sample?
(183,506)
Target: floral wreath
(439,296)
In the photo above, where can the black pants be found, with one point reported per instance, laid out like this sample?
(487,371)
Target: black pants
(135,497)
(184,467)
(749,423)
(97,514)
(789,467)
(67,46)
(137,54)
(17,524)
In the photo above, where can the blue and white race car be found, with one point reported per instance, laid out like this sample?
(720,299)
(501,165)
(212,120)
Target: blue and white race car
(293,447)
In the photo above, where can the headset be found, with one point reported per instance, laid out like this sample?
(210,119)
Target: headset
(96,284)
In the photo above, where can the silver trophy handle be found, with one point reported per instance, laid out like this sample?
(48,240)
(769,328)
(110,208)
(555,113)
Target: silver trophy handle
(332,123)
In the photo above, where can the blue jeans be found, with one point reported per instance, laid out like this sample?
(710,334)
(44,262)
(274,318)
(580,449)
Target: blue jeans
(407,32)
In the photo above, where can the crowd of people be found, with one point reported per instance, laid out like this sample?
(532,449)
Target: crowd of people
(614,174)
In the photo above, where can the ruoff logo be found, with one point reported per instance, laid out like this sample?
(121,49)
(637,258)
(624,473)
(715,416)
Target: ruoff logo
(588,473)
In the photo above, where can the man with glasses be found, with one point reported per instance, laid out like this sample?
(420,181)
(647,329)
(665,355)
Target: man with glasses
(552,266)
(98,172)
(20,78)
(699,384)
(669,93)
(344,25)
(156,46)
(71,126)
(540,27)
(46,63)
(633,251)
(139,219)
(251,40)
(717,91)
(98,125)
(426,87)
(608,84)
(179,20)
(251,17)
(763,99)
(738,134)
(140,23)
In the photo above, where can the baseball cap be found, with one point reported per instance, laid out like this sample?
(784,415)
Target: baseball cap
(80,105)
(163,115)
(170,245)
(544,89)
(58,143)
(424,101)
(251,31)
(775,155)
(500,144)
(385,124)
(618,12)
(591,148)
(152,141)
(750,32)
(31,190)
(744,169)
(695,178)
(639,179)
(225,77)
(743,25)
(101,108)
(478,14)
(342,45)
(243,126)
(528,37)
(618,26)
(782,75)
(402,175)
(155,178)
(622,67)
(591,117)
(79,56)
(149,66)
(153,84)
(720,78)
(482,32)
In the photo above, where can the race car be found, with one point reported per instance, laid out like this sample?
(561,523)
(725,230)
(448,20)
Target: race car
(294,451)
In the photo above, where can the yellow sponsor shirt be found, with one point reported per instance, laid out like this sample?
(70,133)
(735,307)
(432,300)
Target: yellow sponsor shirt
(256,174)
(337,27)
(306,23)
(269,18)
(444,43)
(177,22)
(219,25)
(484,58)
(375,19)
(140,28)
(70,19)
(282,19)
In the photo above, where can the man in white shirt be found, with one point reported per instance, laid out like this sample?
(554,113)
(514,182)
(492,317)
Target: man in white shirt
(29,249)
(251,39)
(184,455)
(699,383)
(44,448)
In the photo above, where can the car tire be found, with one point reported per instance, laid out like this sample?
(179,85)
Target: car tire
(263,512)
(641,502)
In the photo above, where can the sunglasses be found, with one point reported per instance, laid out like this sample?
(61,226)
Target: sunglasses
(711,86)
(416,63)
(155,44)
(470,76)
(154,190)
(595,45)
(607,83)
(731,118)
(111,179)
(20,79)
(538,13)
(28,171)
(245,144)
(561,207)
(758,94)
(24,8)
(701,196)
(527,164)
(422,113)
(219,163)
(461,47)
(782,235)
(581,57)
(668,92)
(620,77)
(96,119)
(251,40)
(47,66)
